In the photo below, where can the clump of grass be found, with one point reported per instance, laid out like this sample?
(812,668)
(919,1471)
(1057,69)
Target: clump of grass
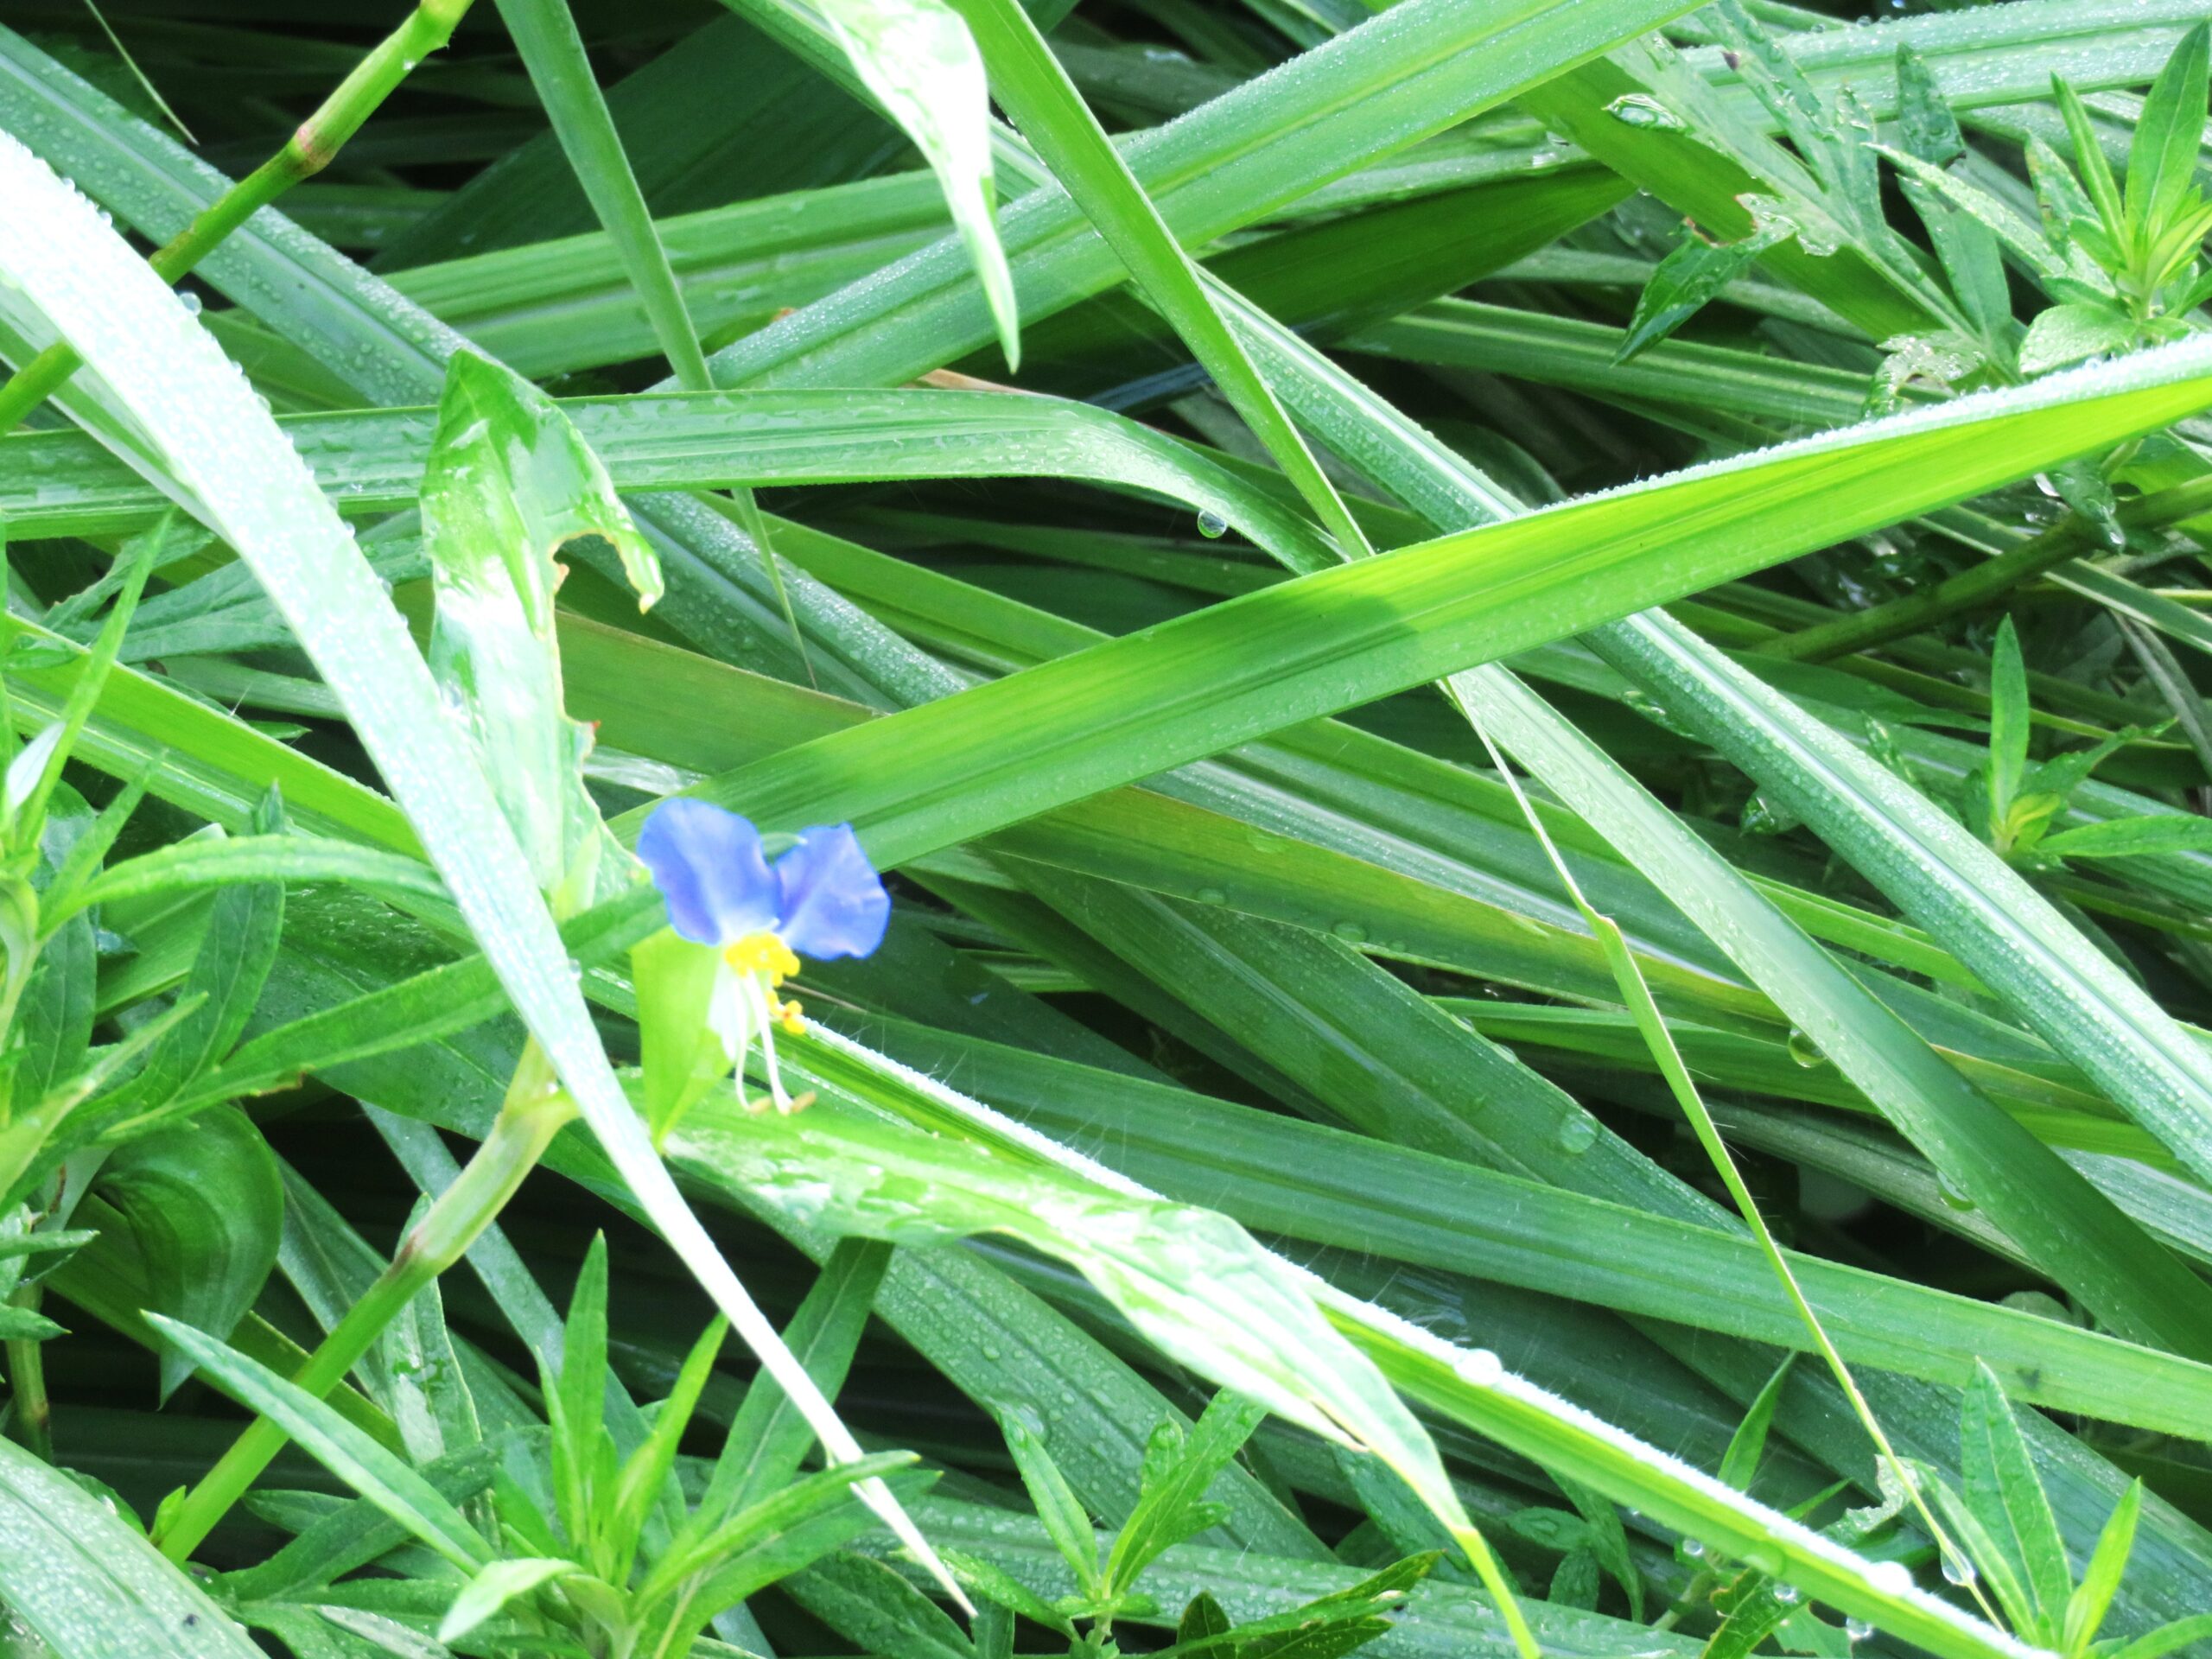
(1279,784)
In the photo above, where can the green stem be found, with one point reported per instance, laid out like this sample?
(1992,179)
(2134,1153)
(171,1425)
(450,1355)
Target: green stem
(26,1376)
(535,1109)
(306,152)
(1984,583)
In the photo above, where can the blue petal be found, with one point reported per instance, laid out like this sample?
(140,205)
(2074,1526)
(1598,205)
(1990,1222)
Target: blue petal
(834,905)
(708,865)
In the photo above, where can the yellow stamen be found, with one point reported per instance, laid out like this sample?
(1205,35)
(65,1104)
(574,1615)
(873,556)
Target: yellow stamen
(762,953)
(791,1018)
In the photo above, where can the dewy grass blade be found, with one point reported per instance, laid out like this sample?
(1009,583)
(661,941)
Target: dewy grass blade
(1651,1025)
(88,1585)
(190,407)
(372,461)
(1474,1388)
(2073,1232)
(948,771)
(306,152)
(2024,950)
(553,52)
(1398,77)
(1044,104)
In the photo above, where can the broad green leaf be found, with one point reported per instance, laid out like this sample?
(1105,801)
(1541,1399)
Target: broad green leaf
(2092,1598)
(579,1463)
(681,1054)
(1747,1447)
(204,1206)
(2170,1639)
(1172,1507)
(2163,161)
(370,461)
(235,954)
(1684,283)
(814,1530)
(2131,838)
(1169,1269)
(355,1534)
(2008,728)
(787,1518)
(880,1611)
(2066,333)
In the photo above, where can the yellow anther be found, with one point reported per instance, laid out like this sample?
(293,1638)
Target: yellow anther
(762,953)
(790,1016)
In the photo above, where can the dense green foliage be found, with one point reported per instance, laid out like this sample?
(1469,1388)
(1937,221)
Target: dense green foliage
(1530,676)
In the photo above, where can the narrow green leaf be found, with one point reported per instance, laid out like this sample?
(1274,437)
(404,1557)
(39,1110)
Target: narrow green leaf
(2162,160)
(496,1584)
(920,60)
(377,1474)
(1053,1500)
(2092,1598)
(2006,1494)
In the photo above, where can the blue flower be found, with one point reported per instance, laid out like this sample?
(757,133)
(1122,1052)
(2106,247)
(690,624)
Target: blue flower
(822,899)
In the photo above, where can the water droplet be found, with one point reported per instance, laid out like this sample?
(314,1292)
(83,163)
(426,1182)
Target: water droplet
(1694,1548)
(1953,1197)
(1480,1367)
(1958,1570)
(1350,933)
(1787,1594)
(1890,1578)
(1212,525)
(1856,1630)
(1804,1050)
(1649,706)
(190,302)
(1642,110)
(1578,1134)
(1210,896)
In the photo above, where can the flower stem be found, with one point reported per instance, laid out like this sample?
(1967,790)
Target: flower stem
(26,1376)
(306,152)
(535,1109)
(1984,584)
